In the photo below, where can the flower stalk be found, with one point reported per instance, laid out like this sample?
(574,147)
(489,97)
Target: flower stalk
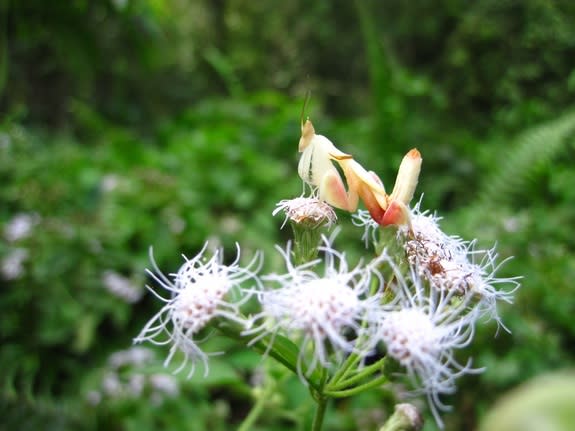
(321,407)
(258,408)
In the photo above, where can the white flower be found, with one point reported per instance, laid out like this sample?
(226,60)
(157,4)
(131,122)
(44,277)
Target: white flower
(12,265)
(320,309)
(199,292)
(311,211)
(110,182)
(20,226)
(136,356)
(123,378)
(121,286)
(421,328)
(483,282)
(436,256)
(165,384)
(449,263)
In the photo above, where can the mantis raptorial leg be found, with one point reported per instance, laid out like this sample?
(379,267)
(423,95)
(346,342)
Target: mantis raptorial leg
(316,167)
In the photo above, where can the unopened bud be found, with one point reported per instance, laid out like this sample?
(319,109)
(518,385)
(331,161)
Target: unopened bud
(405,418)
(308,212)
(307,216)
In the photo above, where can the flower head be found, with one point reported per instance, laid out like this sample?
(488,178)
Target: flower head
(324,311)
(449,263)
(200,291)
(484,284)
(121,286)
(123,379)
(421,328)
(309,211)
(20,226)
(12,265)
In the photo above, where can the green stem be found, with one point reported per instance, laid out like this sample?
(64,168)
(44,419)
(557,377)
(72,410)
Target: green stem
(258,407)
(319,413)
(361,375)
(342,372)
(282,350)
(350,363)
(321,400)
(356,390)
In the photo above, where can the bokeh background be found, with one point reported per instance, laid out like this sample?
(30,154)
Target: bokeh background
(126,124)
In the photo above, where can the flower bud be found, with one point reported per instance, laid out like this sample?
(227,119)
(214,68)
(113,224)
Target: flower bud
(406,417)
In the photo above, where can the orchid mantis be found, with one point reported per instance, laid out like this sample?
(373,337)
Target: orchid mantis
(316,168)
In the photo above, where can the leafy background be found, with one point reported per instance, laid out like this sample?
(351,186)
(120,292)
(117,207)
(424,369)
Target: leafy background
(134,123)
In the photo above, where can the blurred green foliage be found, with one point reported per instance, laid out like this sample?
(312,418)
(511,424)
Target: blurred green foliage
(127,124)
(545,402)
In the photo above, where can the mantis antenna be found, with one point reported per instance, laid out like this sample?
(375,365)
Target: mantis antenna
(304,107)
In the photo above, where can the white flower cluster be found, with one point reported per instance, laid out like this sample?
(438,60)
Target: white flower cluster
(421,329)
(121,287)
(449,263)
(122,379)
(12,265)
(422,312)
(449,287)
(17,229)
(20,226)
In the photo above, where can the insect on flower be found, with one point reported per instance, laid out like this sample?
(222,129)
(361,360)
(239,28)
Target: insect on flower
(316,168)
(449,263)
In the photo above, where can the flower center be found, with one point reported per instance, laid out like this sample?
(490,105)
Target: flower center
(324,302)
(410,336)
(196,304)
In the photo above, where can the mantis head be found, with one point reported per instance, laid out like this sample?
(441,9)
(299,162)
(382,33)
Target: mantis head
(307,134)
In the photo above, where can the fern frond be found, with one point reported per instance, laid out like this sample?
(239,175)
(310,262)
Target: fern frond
(530,153)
